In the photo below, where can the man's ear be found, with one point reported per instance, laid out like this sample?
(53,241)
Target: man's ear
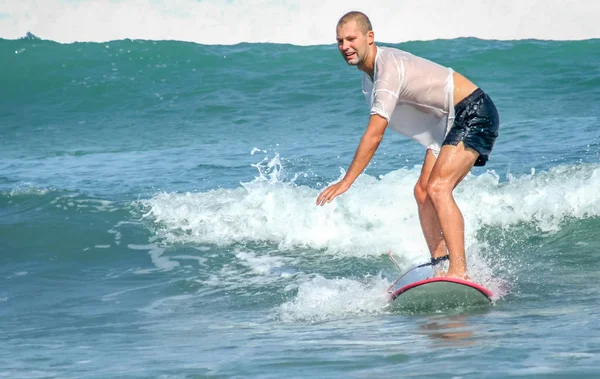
(370,37)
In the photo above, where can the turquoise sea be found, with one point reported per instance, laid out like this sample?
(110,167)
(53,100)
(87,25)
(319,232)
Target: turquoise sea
(158,218)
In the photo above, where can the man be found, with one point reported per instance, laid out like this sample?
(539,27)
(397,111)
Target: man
(439,108)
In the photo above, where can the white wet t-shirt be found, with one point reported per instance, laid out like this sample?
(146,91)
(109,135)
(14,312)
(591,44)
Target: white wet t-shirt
(414,94)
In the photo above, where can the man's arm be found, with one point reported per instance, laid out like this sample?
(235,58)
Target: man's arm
(366,149)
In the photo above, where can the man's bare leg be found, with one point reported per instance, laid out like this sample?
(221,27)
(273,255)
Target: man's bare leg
(432,231)
(450,168)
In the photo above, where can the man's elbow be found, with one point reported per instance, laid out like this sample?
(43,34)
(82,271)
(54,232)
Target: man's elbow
(376,128)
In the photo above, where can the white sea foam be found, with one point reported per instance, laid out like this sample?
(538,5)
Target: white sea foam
(282,213)
(156,255)
(262,265)
(301,22)
(374,216)
(321,299)
(23,189)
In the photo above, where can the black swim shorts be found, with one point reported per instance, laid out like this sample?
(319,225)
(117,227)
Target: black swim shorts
(476,124)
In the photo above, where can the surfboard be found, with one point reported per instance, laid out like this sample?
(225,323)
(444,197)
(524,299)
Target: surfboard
(440,293)
(419,289)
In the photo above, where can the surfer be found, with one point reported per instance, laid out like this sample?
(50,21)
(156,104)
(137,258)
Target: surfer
(439,108)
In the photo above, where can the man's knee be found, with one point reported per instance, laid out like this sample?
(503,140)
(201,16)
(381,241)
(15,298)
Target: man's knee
(420,193)
(438,190)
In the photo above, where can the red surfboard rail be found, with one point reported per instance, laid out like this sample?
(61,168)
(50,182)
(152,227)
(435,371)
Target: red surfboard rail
(476,286)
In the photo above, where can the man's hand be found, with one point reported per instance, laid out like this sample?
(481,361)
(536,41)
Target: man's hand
(332,192)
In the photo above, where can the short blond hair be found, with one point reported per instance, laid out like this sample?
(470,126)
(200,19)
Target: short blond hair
(361,19)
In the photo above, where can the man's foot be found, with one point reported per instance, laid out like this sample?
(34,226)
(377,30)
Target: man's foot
(457,275)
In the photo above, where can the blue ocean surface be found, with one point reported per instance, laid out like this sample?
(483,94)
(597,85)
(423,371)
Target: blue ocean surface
(158,217)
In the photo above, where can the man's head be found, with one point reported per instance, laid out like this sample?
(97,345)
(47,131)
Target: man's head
(355,37)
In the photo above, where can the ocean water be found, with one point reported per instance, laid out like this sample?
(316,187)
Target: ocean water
(157,200)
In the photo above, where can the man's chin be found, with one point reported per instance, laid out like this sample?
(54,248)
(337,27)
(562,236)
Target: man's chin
(352,62)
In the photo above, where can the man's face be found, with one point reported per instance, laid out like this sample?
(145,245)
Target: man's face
(353,43)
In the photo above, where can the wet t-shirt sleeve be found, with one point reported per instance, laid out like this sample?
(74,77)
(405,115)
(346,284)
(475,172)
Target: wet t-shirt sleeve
(389,75)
